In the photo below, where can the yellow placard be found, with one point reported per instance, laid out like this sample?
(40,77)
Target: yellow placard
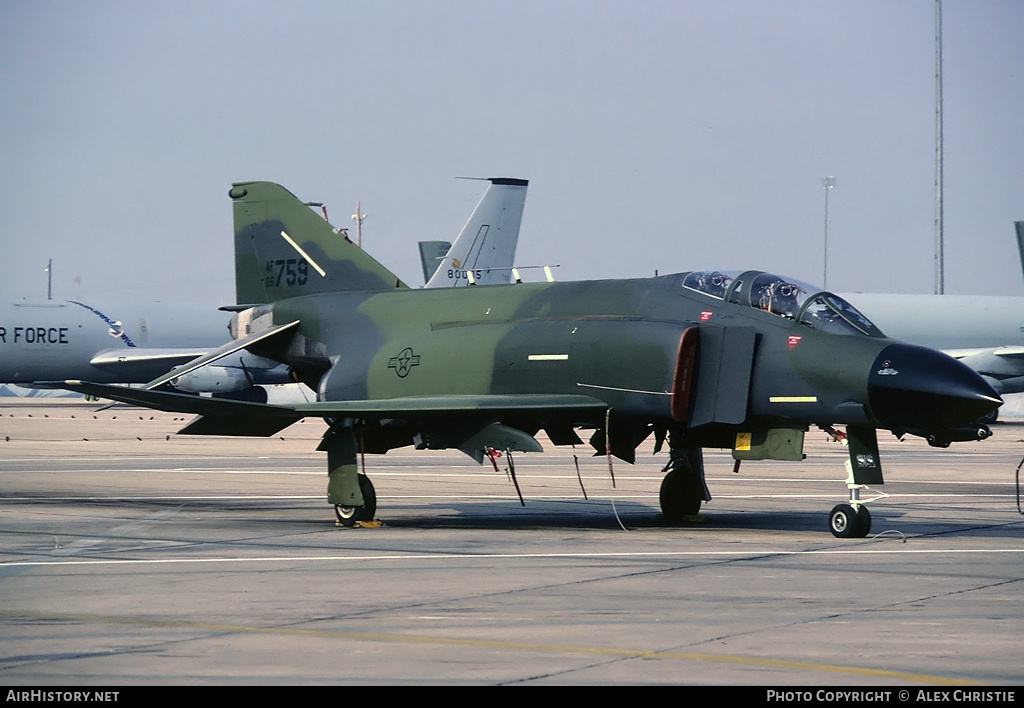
(742,441)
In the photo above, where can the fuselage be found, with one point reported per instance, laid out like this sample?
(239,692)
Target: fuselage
(55,340)
(621,341)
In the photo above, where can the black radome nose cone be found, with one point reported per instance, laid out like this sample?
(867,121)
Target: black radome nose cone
(913,388)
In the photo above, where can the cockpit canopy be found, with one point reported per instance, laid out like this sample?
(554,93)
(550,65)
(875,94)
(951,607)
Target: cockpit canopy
(793,299)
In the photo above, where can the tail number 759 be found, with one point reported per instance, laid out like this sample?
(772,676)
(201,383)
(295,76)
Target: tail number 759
(287,271)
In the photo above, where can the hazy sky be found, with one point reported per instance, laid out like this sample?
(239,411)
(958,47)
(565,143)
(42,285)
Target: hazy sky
(656,135)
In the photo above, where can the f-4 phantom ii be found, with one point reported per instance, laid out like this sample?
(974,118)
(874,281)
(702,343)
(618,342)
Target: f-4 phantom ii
(742,361)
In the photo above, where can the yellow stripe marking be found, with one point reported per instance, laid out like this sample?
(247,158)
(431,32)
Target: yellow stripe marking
(304,254)
(793,399)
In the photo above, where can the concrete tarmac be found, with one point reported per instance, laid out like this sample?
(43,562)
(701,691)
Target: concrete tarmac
(131,556)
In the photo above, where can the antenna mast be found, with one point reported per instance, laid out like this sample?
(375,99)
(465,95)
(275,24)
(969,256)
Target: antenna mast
(940,286)
(358,218)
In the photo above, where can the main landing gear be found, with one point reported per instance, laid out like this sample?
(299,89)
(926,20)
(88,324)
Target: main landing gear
(351,493)
(683,489)
(351,515)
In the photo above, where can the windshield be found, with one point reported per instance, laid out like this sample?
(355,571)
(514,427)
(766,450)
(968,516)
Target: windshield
(831,313)
(784,297)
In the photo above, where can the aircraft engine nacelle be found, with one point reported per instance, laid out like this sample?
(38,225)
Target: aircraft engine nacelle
(212,379)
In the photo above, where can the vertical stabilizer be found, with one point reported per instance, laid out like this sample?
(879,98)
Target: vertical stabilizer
(431,255)
(284,249)
(1019,225)
(486,247)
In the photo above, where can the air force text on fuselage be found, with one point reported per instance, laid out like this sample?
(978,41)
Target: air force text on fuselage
(34,335)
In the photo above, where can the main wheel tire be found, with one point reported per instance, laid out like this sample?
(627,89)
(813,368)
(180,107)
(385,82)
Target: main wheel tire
(864,517)
(844,522)
(680,495)
(350,515)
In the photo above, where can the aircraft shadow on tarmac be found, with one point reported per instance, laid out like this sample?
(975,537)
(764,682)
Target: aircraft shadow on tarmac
(542,514)
(594,514)
(599,514)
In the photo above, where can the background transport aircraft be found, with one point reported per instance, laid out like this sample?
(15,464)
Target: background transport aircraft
(110,342)
(984,332)
(700,359)
(41,340)
(49,340)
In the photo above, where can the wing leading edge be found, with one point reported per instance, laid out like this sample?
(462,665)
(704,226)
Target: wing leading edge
(228,417)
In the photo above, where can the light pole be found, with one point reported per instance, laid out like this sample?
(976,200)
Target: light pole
(828,183)
(940,278)
(358,218)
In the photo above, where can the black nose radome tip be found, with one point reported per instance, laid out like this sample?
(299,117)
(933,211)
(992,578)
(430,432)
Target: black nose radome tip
(917,389)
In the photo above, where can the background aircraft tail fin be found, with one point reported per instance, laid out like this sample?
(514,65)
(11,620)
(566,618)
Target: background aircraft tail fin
(285,249)
(487,244)
(431,255)
(1019,225)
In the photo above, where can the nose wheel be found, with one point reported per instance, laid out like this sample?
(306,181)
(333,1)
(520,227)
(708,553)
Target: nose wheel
(846,521)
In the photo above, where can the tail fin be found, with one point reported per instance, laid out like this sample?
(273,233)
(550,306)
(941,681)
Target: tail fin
(284,249)
(487,244)
(431,255)
(1019,225)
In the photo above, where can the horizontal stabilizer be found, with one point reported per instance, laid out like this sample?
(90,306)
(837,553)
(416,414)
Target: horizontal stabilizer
(1005,352)
(1009,352)
(229,348)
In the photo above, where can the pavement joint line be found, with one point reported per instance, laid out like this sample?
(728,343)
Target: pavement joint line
(497,644)
(753,555)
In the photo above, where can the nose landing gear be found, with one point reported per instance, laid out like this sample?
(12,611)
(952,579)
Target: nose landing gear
(846,521)
(853,520)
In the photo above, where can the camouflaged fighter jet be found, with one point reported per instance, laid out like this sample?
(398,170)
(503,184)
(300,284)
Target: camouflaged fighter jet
(742,361)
